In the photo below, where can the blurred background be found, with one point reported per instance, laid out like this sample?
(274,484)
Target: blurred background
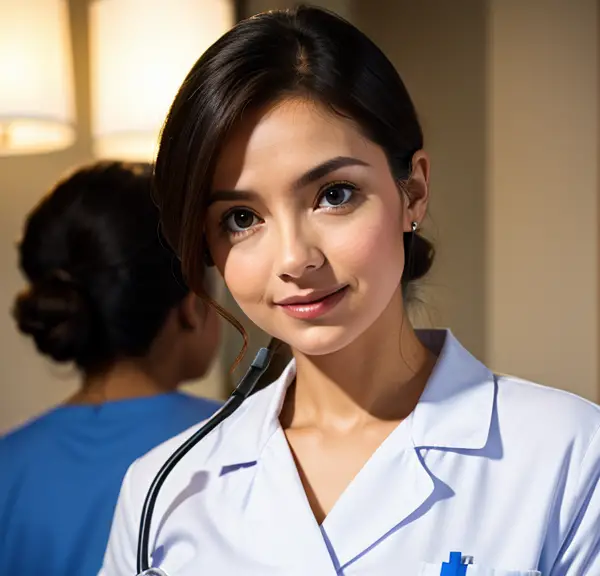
(509,95)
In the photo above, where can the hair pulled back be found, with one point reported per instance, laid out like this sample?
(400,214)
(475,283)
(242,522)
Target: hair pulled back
(307,52)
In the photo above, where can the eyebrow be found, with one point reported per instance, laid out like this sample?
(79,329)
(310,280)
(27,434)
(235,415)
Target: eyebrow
(309,177)
(318,172)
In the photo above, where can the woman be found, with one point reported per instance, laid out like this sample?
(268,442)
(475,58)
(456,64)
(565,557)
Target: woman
(106,294)
(293,156)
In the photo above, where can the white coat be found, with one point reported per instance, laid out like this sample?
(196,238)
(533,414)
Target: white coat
(497,468)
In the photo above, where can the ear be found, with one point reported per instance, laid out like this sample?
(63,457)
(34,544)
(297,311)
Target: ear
(191,312)
(416,194)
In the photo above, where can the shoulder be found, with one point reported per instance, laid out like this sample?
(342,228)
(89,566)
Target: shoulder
(233,439)
(546,405)
(554,436)
(25,450)
(203,407)
(27,434)
(466,405)
(203,403)
(554,418)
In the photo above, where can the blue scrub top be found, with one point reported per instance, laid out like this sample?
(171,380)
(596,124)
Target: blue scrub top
(60,477)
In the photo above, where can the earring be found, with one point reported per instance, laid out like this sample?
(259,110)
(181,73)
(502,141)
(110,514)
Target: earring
(414,225)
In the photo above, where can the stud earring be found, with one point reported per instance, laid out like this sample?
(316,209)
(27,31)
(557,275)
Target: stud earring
(414,225)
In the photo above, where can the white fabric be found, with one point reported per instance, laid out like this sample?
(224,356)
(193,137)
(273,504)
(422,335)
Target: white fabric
(494,467)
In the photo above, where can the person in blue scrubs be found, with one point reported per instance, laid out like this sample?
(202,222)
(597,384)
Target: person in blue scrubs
(105,294)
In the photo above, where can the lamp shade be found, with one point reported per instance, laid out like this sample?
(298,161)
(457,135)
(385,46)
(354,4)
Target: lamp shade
(141,51)
(37,106)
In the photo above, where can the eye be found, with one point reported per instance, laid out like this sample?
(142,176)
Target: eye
(336,195)
(240,220)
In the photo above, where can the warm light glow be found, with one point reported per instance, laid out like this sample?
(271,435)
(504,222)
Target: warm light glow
(37,110)
(141,51)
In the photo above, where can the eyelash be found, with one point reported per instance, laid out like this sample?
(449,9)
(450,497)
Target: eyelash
(322,191)
(235,233)
(344,184)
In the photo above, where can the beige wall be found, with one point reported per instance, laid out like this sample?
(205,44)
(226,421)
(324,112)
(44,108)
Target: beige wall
(509,102)
(543,192)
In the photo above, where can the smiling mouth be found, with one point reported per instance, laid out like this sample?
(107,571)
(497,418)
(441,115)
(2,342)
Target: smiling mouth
(317,306)
(309,299)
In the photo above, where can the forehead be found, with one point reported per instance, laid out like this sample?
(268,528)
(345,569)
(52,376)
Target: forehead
(287,139)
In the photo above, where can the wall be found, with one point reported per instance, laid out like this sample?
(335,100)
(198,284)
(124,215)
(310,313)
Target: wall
(543,154)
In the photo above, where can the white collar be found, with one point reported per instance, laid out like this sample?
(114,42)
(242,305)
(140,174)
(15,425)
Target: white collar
(454,411)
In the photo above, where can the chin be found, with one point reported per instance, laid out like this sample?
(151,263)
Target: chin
(318,340)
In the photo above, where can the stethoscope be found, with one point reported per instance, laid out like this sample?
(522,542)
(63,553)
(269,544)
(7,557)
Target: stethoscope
(456,566)
(244,389)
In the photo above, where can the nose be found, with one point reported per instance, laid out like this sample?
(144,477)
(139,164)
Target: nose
(299,253)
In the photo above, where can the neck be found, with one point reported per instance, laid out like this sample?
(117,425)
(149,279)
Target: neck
(123,380)
(379,376)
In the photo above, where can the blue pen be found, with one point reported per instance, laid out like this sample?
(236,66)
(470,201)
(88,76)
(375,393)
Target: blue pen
(457,565)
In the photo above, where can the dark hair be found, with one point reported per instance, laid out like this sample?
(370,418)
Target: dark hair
(101,280)
(306,51)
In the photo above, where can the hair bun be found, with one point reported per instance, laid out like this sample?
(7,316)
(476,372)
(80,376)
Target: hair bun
(55,313)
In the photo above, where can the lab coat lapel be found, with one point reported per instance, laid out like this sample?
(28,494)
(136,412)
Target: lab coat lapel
(455,409)
(281,502)
(274,525)
(390,491)
(395,488)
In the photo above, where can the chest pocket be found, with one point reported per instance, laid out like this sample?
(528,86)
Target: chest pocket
(476,570)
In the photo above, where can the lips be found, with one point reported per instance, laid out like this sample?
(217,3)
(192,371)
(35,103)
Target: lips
(313,297)
(309,307)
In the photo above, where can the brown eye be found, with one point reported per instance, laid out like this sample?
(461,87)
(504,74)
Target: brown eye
(240,220)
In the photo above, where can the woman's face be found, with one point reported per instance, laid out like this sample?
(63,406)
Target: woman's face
(306,226)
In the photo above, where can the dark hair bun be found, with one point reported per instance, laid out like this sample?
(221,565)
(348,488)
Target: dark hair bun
(102,283)
(55,314)
(419,254)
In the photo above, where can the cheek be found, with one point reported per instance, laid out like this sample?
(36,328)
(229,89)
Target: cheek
(243,267)
(246,274)
(375,252)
